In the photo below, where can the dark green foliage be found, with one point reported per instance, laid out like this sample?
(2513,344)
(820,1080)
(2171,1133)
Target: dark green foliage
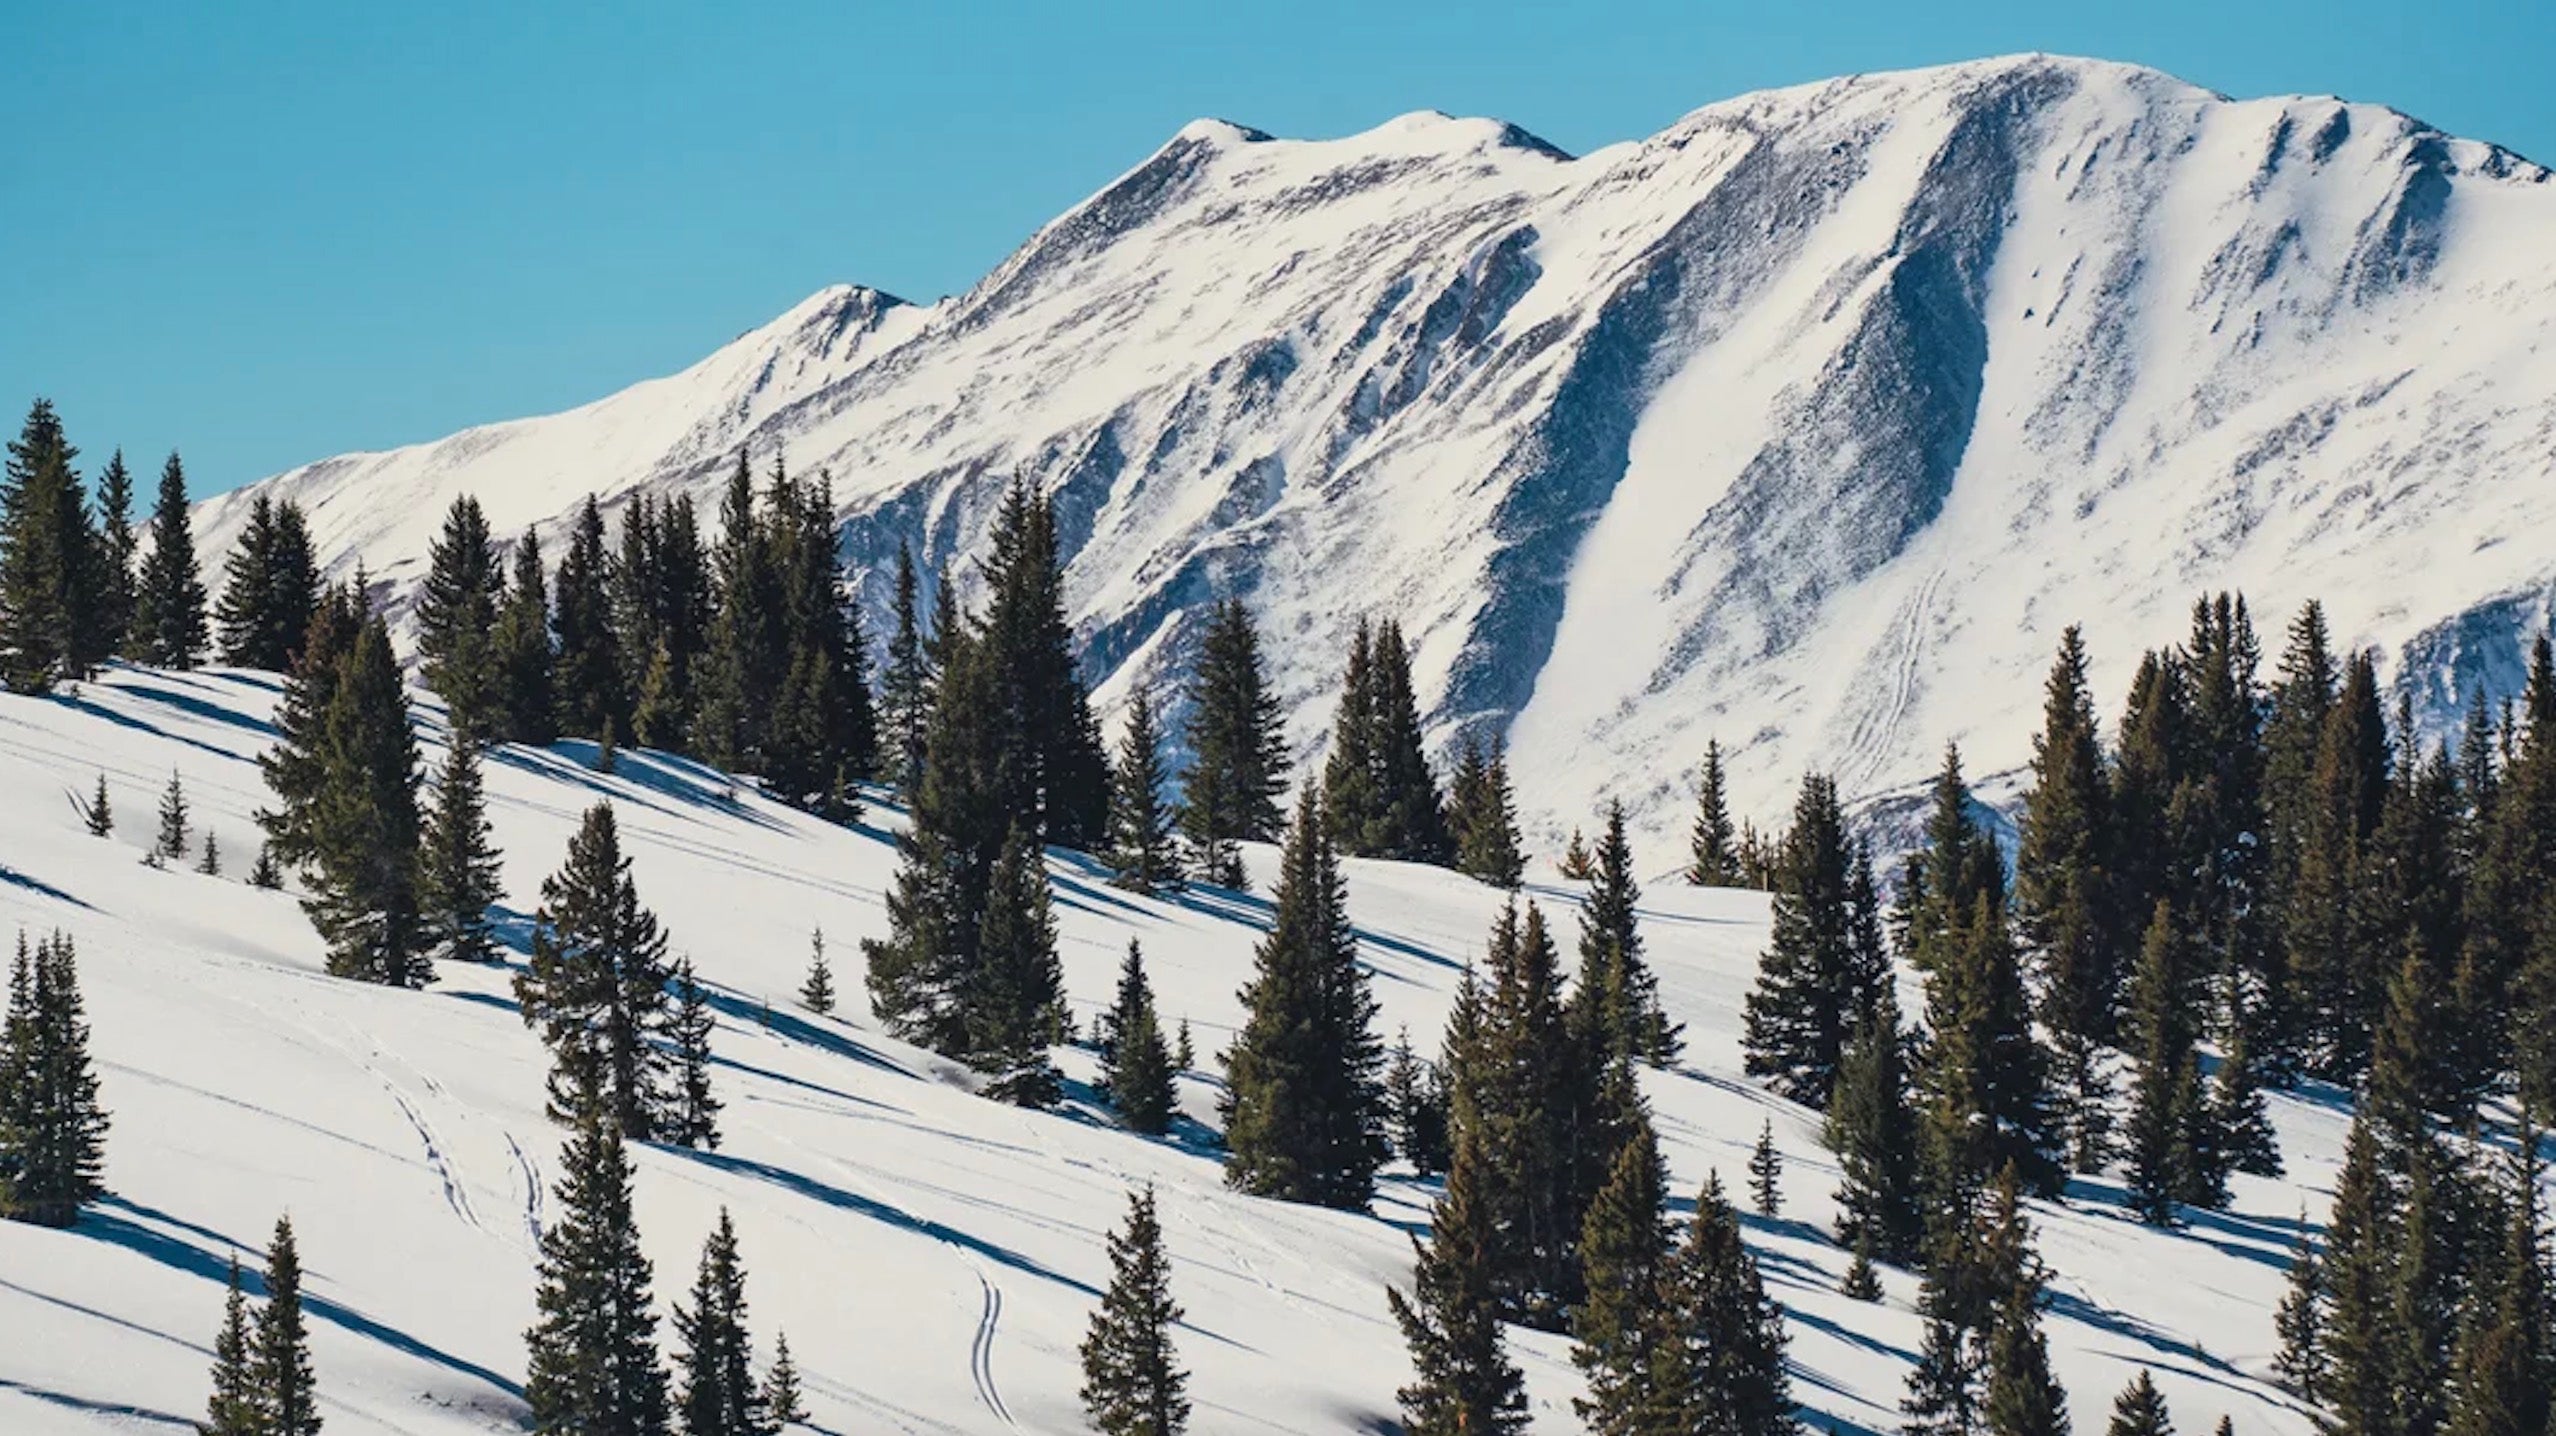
(1766,1172)
(457,618)
(690,1115)
(1611,942)
(596,985)
(748,656)
(2022,1397)
(1464,1383)
(169,592)
(1861,1282)
(1304,1112)
(98,816)
(1873,1130)
(211,865)
(1728,1363)
(1625,1336)
(822,737)
(2335,980)
(1054,777)
(592,1353)
(1985,1100)
(2140,1410)
(117,548)
(1140,821)
(1133,1384)
(905,687)
(1380,799)
(457,881)
(2063,899)
(264,873)
(719,1396)
(363,824)
(270,588)
(1416,1109)
(2301,700)
(2502,1368)
(783,1406)
(1136,1066)
(1822,964)
(288,1393)
(1521,1096)
(234,1409)
(295,768)
(587,682)
(817,992)
(2355,1352)
(1949,879)
(526,659)
(2512,896)
(1014,993)
(48,564)
(2300,1321)
(52,1130)
(1713,858)
(2169,1137)
(1482,816)
(1982,1283)
(171,842)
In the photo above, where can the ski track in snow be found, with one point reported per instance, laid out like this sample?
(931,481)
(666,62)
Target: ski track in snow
(980,1355)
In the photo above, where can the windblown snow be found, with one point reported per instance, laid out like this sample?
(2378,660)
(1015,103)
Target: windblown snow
(932,1255)
(1805,424)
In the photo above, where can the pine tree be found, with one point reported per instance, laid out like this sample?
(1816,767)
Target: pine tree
(1140,821)
(47,571)
(169,594)
(2355,1348)
(719,1396)
(690,1115)
(211,866)
(1731,1346)
(1464,1384)
(2335,982)
(1055,778)
(2502,1369)
(1575,864)
(363,823)
(1416,1108)
(817,992)
(1012,997)
(116,548)
(2300,1321)
(52,1129)
(1986,1102)
(1861,1282)
(1133,1384)
(295,768)
(1381,801)
(1816,978)
(1238,761)
(1184,1054)
(1873,1131)
(265,873)
(2022,1398)
(457,879)
(288,1393)
(783,1406)
(592,1354)
(1304,1118)
(525,659)
(588,678)
(905,686)
(457,617)
(1529,1091)
(2063,896)
(1610,935)
(270,588)
(1482,816)
(1136,1068)
(1765,1171)
(234,1408)
(97,815)
(2302,697)
(596,985)
(1625,1331)
(1713,847)
(172,841)
(2168,1139)
(746,661)
(2139,1410)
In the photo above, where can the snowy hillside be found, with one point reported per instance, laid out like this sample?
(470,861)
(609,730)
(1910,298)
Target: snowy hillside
(1806,423)
(932,1255)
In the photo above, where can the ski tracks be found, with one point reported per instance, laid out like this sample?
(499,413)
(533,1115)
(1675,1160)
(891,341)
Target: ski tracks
(980,1355)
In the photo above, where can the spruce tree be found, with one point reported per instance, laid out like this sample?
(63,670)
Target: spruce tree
(719,1395)
(525,657)
(98,815)
(1464,1382)
(363,823)
(690,1114)
(1732,1347)
(1381,801)
(1861,1282)
(592,1353)
(1816,978)
(595,987)
(1416,1109)
(2301,698)
(1238,761)
(588,679)
(234,1408)
(457,878)
(2063,895)
(2511,899)
(2300,1321)
(817,992)
(2335,981)
(1712,848)
(270,588)
(2355,1348)
(745,663)
(1140,821)
(1528,1091)
(1986,1100)
(211,865)
(457,617)
(265,873)
(2502,1370)
(1766,1171)
(1054,778)
(1610,936)
(295,768)
(52,1129)
(1304,1119)
(1133,1384)
(1013,994)
(116,551)
(1483,818)
(1625,1331)
(172,840)
(905,686)
(2022,1397)
(48,625)
(288,1393)
(169,593)
(1873,1130)
(2168,1138)
(2139,1410)
(783,1405)
(1136,1068)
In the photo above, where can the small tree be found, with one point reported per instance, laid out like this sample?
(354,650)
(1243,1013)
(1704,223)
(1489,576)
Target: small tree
(692,1118)
(288,1393)
(817,992)
(264,873)
(457,877)
(783,1405)
(1140,822)
(1416,1109)
(1765,1170)
(2140,1410)
(52,1129)
(173,819)
(1714,857)
(596,985)
(235,1408)
(720,1396)
(211,865)
(592,1353)
(1132,1379)
(1136,1067)
(98,815)
(1464,1383)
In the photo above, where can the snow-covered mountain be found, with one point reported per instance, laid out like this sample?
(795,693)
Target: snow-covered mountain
(1806,423)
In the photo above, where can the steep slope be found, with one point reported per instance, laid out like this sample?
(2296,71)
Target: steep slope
(932,1255)
(1806,423)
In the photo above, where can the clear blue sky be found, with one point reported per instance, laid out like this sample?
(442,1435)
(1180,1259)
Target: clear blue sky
(265,233)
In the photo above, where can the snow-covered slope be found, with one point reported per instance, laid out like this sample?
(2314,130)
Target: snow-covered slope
(932,1255)
(1806,423)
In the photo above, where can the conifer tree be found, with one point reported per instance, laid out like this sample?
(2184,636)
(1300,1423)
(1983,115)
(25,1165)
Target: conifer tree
(525,657)
(2168,1138)
(288,1393)
(719,1395)
(746,660)
(1575,863)
(905,686)
(1012,996)
(2502,1369)
(817,992)
(1766,1171)
(173,819)
(1136,1067)
(690,1116)
(1610,936)
(457,616)
(2063,896)
(1416,1108)
(363,824)
(2140,1410)
(2022,1397)
(270,588)
(2355,1347)
(1861,1282)
(234,1408)
(2511,901)
(295,768)
(2300,1321)
(52,1128)
(47,571)
(592,1353)
(1873,1131)
(1055,778)
(265,873)
(783,1405)
(1304,1119)
(457,879)
(588,678)
(1713,847)
(596,985)
(1133,1384)
(1816,978)
(1731,1351)
(1238,761)
(1380,799)
(169,594)
(116,551)
(1482,816)
(1140,821)
(211,865)
(2335,982)
(1986,1100)
(1529,1091)
(1624,1334)
(99,816)
(1464,1383)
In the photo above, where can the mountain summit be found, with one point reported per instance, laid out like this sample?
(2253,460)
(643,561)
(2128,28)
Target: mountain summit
(1807,423)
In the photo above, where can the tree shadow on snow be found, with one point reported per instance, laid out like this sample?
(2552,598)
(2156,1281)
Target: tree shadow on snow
(195,707)
(41,888)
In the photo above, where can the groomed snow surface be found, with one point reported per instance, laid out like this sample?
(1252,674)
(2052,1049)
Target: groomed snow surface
(932,1255)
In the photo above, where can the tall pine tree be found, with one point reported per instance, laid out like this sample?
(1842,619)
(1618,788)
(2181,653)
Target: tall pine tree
(592,1352)
(1133,1384)
(169,594)
(596,985)
(1238,764)
(52,1128)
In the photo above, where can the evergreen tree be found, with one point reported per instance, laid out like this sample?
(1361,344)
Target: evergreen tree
(1952,877)
(719,1395)
(47,570)
(817,993)
(2140,1410)
(288,1394)
(2300,1321)
(1861,1282)
(265,873)
(1133,1384)
(1528,1094)
(2511,899)
(1766,1171)
(235,1408)
(1482,814)
(457,878)
(592,1354)
(2169,1141)
(1380,799)
(747,658)
(211,866)
(1713,847)
(2218,815)
(690,1117)
(1238,761)
(116,550)
(173,819)
(1610,937)
(783,1406)
(457,617)
(1416,1110)
(1817,977)
(1304,1119)
(52,1129)
(1464,1382)
(1054,777)
(588,678)
(596,985)
(2023,1398)
(2063,878)
(905,686)
(1575,863)
(1015,991)
(363,824)
(2302,697)
(295,768)
(2355,1350)
(270,588)
(1731,1347)
(2335,983)
(169,594)
(1873,1131)
(99,815)
(525,658)
(1986,1101)
(1625,1333)
(1136,1068)
(1140,821)
(2502,1370)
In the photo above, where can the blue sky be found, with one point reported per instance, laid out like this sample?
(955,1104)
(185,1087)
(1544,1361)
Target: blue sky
(264,233)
